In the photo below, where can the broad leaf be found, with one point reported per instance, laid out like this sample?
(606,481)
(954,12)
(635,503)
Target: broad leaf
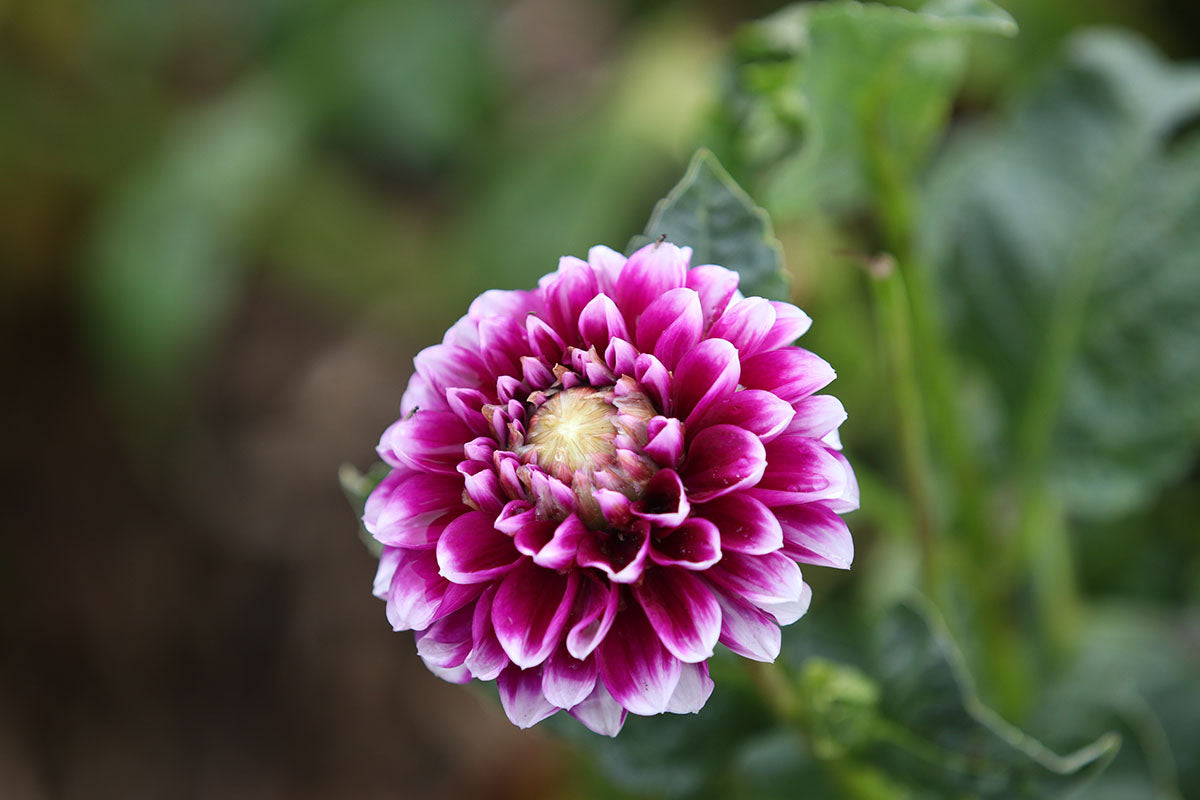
(710,213)
(826,100)
(1068,240)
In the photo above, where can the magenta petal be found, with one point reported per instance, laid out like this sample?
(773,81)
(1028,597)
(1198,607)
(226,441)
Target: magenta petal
(410,509)
(665,443)
(620,356)
(792,373)
(683,612)
(693,691)
(389,559)
(766,579)
(522,698)
(502,342)
(421,394)
(487,658)
(596,607)
(695,545)
(559,552)
(427,441)
(600,322)
(650,273)
(760,412)
(655,380)
(816,416)
(567,681)
(706,376)
(566,292)
(747,630)
(607,264)
(670,326)
(471,550)
(622,556)
(746,525)
(446,643)
(789,611)
(544,341)
(638,671)
(418,596)
(664,502)
(446,366)
(482,487)
(848,499)
(790,324)
(812,534)
(530,610)
(722,459)
(800,470)
(504,303)
(745,324)
(716,287)
(600,713)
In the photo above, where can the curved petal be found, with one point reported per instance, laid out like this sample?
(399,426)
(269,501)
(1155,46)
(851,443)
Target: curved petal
(748,630)
(716,287)
(767,579)
(559,552)
(620,356)
(746,525)
(670,326)
(446,643)
(607,264)
(650,273)
(621,556)
(695,545)
(389,559)
(848,500)
(705,377)
(665,443)
(682,611)
(600,322)
(502,342)
(817,416)
(693,691)
(722,459)
(487,658)
(762,413)
(566,292)
(445,366)
(471,550)
(596,607)
(793,373)
(530,611)
(482,486)
(410,509)
(636,669)
(544,341)
(426,441)
(418,596)
(800,470)
(522,698)
(812,534)
(664,502)
(790,324)
(600,713)
(567,681)
(789,611)
(655,380)
(421,394)
(745,324)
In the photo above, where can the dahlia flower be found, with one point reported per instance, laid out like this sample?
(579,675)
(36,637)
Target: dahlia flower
(596,481)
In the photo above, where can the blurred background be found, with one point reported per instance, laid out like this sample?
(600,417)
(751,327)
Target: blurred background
(226,226)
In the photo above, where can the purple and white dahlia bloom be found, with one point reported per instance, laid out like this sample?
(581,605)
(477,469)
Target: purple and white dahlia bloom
(596,481)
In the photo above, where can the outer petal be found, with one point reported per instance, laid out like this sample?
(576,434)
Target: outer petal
(650,273)
(418,596)
(410,509)
(746,525)
(716,287)
(790,324)
(600,712)
(487,658)
(745,324)
(522,698)
(722,459)
(747,630)
(444,645)
(694,545)
(682,611)
(812,534)
(607,264)
(595,610)
(427,441)
(566,292)
(530,611)
(792,373)
(787,612)
(671,325)
(389,559)
(706,376)
(800,470)
(637,670)
(848,500)
(600,322)
(567,681)
(762,413)
(693,691)
(445,366)
(471,550)
(763,580)
(817,416)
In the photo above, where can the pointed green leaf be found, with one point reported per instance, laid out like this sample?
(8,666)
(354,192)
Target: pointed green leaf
(710,213)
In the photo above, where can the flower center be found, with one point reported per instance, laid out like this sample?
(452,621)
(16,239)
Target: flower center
(571,430)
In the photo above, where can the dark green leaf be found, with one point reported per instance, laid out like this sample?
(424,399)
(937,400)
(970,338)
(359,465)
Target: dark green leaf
(710,213)
(1068,243)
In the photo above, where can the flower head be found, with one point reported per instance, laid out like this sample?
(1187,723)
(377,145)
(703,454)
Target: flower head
(596,481)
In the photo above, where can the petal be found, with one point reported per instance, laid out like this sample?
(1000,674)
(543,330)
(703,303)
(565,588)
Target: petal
(420,394)
(793,373)
(696,545)
(427,441)
(418,596)
(446,366)
(655,380)
(706,376)
(482,487)
(620,356)
(745,324)
(682,611)
(636,669)
(389,559)
(614,506)
(746,525)
(567,681)
(467,405)
(410,509)
(595,609)
(716,287)
(622,556)
(747,630)
(502,342)
(665,443)
(530,611)
(650,273)
(664,502)
(600,322)
(765,579)
(800,470)
(607,264)
(566,292)
(446,643)
(790,324)
(522,698)
(787,612)
(544,341)
(812,534)
(722,459)
(670,326)
(848,499)
(600,713)
(693,691)
(559,552)
(487,658)
(471,550)
(514,303)
(817,416)
(762,413)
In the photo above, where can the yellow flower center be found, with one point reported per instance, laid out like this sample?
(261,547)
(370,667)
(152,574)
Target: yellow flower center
(570,430)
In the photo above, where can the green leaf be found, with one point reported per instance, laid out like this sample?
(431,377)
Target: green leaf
(1067,239)
(710,213)
(818,91)
(357,486)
